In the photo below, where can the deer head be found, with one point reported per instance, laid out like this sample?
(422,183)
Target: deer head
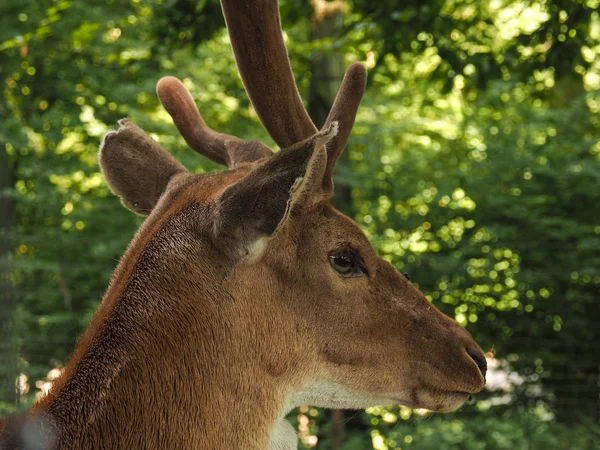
(245,293)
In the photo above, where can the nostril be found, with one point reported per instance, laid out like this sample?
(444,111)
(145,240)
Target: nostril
(479,359)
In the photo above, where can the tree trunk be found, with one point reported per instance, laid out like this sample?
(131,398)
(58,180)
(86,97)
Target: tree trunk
(9,367)
(328,68)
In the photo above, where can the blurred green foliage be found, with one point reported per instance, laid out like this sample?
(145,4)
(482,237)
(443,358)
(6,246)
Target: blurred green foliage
(474,166)
(394,428)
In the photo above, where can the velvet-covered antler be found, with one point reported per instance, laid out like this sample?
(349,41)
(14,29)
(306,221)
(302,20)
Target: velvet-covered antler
(254,28)
(255,31)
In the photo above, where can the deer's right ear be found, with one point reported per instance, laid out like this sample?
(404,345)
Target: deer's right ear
(252,211)
(136,167)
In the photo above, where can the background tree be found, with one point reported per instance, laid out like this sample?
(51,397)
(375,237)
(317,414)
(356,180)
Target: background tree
(474,166)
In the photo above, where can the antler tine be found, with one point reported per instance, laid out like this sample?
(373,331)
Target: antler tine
(221,148)
(255,32)
(344,111)
(179,103)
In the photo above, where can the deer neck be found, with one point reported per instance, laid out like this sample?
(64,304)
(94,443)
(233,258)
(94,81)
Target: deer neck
(174,363)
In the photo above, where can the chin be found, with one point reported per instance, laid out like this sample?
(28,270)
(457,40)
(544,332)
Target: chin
(438,401)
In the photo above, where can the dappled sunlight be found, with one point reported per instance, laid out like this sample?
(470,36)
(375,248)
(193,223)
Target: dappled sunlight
(473,166)
(306,425)
(44,386)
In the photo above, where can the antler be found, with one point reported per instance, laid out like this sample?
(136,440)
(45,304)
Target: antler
(255,31)
(254,28)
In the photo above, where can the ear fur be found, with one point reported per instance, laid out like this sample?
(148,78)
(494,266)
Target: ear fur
(256,207)
(136,167)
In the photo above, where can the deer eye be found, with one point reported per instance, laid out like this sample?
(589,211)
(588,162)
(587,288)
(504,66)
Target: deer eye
(347,263)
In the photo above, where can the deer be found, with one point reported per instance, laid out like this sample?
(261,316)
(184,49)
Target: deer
(245,293)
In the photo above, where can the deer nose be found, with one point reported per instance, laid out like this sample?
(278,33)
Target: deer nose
(479,358)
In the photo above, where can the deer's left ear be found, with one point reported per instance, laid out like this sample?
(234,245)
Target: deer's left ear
(136,167)
(253,210)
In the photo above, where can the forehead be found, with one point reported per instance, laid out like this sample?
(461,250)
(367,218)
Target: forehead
(205,187)
(325,223)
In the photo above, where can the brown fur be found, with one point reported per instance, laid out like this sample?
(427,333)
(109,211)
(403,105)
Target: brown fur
(225,311)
